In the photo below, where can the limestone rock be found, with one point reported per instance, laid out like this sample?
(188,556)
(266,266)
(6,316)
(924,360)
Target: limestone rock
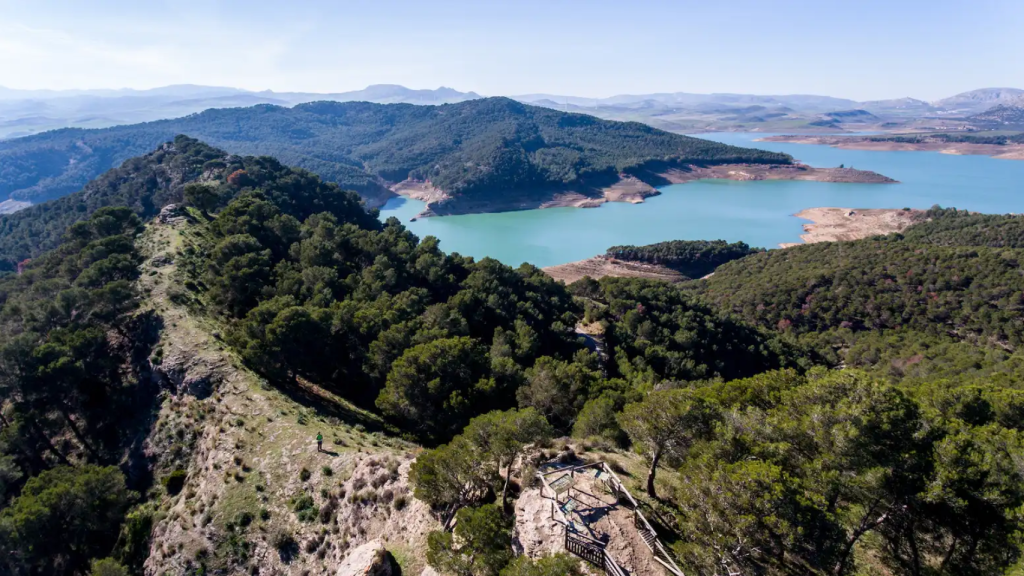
(370,559)
(170,214)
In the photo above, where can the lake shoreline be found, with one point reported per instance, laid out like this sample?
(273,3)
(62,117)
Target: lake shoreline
(827,224)
(629,188)
(1002,152)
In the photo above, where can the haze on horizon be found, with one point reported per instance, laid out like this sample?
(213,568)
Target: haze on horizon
(869,50)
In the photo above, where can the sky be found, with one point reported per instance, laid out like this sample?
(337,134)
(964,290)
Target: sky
(859,49)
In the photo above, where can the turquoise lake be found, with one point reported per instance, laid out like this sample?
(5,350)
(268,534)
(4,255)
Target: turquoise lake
(759,213)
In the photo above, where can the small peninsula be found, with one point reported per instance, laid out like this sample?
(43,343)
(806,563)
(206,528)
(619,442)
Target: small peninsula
(672,261)
(1002,147)
(834,224)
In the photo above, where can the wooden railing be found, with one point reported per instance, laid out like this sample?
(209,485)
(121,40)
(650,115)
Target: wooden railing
(584,548)
(594,551)
(650,538)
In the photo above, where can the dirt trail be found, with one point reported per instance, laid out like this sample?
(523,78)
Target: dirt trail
(252,454)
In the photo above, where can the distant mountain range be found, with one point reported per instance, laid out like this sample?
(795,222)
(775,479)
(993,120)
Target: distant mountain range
(25,112)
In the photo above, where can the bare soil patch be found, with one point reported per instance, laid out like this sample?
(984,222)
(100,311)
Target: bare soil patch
(600,266)
(832,224)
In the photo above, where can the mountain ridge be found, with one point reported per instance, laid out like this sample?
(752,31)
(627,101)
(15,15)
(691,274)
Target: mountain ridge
(110,107)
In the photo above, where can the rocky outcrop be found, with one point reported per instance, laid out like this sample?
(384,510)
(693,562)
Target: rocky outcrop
(370,559)
(536,533)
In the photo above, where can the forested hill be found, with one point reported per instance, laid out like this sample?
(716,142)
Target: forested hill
(128,423)
(486,146)
(144,184)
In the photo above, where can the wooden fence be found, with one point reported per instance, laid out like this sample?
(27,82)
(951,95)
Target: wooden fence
(594,551)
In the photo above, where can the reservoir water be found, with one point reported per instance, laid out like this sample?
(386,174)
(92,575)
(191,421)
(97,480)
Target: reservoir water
(759,213)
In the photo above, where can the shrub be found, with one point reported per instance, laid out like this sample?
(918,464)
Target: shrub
(304,474)
(244,518)
(285,544)
(304,508)
(174,482)
(327,511)
(107,567)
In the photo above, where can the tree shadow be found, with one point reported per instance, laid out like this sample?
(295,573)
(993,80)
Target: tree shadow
(143,403)
(287,551)
(312,396)
(396,568)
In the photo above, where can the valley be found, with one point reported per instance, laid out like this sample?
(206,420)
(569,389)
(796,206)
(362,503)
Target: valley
(480,289)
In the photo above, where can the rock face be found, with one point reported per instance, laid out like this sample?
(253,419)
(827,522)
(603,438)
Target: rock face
(536,533)
(370,559)
(171,214)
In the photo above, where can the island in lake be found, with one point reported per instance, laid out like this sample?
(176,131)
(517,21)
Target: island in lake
(1006,147)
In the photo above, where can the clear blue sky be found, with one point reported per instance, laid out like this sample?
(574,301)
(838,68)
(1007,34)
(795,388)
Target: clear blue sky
(861,49)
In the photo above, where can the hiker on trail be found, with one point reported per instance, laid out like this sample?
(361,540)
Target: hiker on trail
(319,442)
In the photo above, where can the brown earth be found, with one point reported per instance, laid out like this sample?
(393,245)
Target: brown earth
(1006,152)
(628,188)
(600,266)
(832,224)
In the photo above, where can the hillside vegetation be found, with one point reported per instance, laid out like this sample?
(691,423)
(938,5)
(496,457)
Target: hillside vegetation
(477,148)
(803,411)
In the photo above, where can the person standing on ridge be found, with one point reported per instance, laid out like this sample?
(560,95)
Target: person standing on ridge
(319,442)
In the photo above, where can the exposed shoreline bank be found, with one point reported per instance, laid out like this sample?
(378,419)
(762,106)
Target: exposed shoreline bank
(629,188)
(1002,152)
(835,224)
(598,267)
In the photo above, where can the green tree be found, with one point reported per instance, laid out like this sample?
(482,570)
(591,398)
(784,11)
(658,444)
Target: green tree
(666,422)
(202,196)
(481,544)
(451,476)
(598,418)
(558,389)
(239,267)
(298,341)
(64,517)
(434,388)
(503,436)
(748,516)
